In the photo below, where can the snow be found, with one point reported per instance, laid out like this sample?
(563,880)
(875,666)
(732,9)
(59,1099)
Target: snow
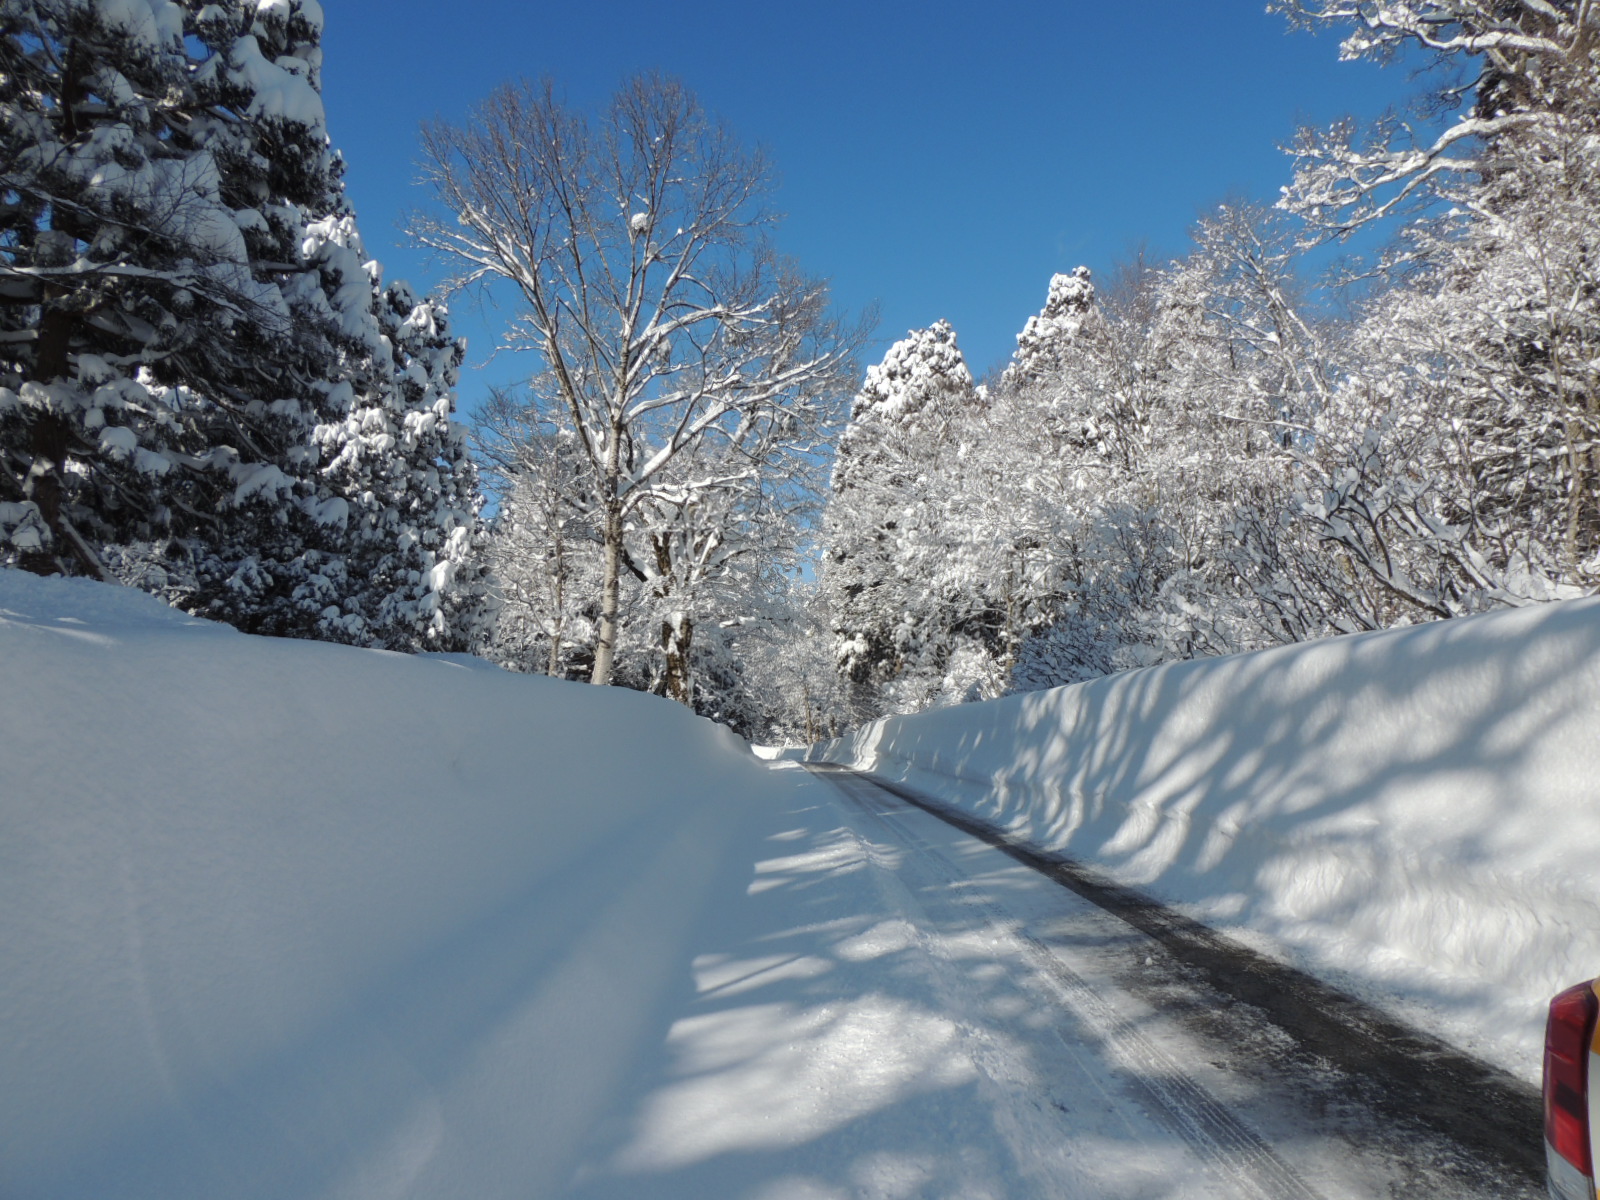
(1409,814)
(280,918)
(278,93)
(147,22)
(118,441)
(258,479)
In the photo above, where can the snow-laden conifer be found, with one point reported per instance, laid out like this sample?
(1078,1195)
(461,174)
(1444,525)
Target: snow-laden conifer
(403,486)
(1048,335)
(883,520)
(177,328)
(148,266)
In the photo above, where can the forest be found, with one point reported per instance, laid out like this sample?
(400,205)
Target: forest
(1373,402)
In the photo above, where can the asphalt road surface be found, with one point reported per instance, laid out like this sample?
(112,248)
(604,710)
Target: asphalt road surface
(1267,1083)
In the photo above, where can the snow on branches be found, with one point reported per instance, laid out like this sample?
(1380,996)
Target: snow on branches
(1535,67)
(1048,335)
(183,305)
(689,371)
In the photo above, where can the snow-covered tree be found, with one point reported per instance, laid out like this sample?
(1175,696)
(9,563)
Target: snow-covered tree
(1467,472)
(706,568)
(1533,70)
(1096,520)
(1048,336)
(180,311)
(403,483)
(542,551)
(791,693)
(687,360)
(157,199)
(884,517)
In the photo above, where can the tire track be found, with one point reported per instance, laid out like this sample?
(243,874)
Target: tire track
(1488,1121)
(1234,1151)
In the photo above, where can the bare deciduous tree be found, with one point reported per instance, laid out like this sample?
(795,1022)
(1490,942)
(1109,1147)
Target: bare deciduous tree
(682,353)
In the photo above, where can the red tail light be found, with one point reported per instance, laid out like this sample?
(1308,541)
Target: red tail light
(1567,1035)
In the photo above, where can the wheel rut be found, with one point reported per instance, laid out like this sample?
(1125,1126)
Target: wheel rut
(1459,1121)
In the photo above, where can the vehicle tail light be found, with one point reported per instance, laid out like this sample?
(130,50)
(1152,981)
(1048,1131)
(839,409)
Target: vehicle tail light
(1567,1036)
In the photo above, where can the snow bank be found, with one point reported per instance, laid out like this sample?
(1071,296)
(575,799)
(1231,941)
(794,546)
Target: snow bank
(286,919)
(1412,814)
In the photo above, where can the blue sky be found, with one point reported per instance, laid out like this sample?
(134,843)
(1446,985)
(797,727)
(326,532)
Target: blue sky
(940,159)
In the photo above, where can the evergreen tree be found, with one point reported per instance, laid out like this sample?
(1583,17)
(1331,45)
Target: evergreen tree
(185,306)
(156,200)
(883,520)
(1048,336)
(396,481)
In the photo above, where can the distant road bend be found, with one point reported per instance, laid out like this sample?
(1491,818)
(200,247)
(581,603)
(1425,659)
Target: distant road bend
(1288,1086)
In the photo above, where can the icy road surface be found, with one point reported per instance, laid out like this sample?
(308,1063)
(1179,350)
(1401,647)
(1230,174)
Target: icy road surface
(897,1009)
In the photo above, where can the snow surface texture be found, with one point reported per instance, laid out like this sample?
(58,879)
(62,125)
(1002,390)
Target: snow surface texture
(285,919)
(288,919)
(1410,814)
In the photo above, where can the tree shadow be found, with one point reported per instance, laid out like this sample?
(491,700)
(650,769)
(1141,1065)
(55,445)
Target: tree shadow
(840,1056)
(1403,813)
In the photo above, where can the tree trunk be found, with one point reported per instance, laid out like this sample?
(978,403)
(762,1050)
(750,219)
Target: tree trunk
(553,663)
(677,632)
(605,646)
(48,442)
(811,731)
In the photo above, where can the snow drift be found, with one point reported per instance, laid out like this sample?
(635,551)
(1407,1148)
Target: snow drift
(288,919)
(1412,814)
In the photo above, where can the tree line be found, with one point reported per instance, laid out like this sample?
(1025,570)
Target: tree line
(207,391)
(1210,457)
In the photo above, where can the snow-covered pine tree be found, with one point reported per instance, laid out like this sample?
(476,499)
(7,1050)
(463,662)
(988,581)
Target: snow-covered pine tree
(1007,496)
(145,219)
(174,335)
(884,513)
(1048,336)
(400,478)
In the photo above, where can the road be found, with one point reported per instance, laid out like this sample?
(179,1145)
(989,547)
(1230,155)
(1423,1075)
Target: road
(1122,1026)
(878,1005)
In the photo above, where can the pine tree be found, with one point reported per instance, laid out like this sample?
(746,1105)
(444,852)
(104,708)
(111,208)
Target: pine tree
(402,488)
(1047,338)
(883,520)
(147,213)
(181,307)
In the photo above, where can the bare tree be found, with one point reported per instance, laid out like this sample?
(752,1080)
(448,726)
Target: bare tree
(678,348)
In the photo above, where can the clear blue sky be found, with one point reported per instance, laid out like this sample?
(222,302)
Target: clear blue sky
(942,159)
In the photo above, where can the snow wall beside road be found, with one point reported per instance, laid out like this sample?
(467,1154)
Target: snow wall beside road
(1413,814)
(280,918)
